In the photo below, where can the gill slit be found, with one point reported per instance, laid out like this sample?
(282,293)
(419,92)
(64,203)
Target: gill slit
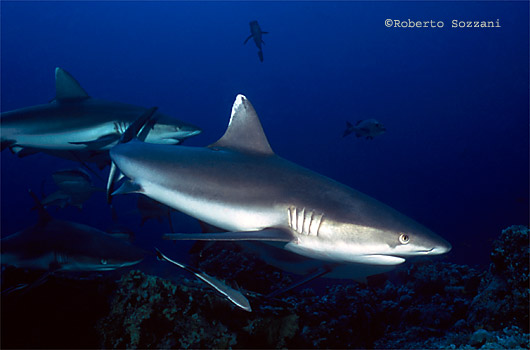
(304,221)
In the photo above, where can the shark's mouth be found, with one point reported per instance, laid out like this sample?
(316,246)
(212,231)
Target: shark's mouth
(380,259)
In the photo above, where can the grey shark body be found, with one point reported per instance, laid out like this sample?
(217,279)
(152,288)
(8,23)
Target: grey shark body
(240,185)
(257,34)
(75,122)
(53,245)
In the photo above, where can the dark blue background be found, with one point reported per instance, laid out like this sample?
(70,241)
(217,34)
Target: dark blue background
(454,101)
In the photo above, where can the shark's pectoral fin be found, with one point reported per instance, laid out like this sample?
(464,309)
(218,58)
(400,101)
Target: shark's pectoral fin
(100,142)
(268,234)
(247,39)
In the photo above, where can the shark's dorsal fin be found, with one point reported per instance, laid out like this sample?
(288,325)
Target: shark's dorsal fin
(244,132)
(67,88)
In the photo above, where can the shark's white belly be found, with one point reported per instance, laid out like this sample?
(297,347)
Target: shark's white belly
(228,216)
(60,140)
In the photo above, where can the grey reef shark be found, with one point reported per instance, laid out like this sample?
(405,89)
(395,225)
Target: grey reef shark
(256,33)
(78,127)
(54,245)
(315,225)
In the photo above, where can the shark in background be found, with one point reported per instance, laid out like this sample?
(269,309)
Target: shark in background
(75,187)
(256,33)
(78,127)
(54,245)
(241,186)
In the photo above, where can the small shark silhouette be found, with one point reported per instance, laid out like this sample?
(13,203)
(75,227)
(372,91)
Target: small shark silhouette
(54,245)
(75,187)
(256,34)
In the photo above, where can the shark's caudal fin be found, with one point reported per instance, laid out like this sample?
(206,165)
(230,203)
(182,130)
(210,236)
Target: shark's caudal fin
(44,216)
(244,132)
(67,88)
(132,131)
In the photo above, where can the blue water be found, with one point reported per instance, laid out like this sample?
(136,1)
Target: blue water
(454,101)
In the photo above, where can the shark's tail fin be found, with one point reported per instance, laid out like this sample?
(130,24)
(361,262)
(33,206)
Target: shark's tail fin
(44,216)
(260,55)
(134,129)
(132,132)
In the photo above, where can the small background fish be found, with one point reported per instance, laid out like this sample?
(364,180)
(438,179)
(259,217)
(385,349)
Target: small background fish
(368,128)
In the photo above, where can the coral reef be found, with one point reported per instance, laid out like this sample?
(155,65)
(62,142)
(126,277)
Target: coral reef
(426,304)
(422,304)
(503,295)
(150,312)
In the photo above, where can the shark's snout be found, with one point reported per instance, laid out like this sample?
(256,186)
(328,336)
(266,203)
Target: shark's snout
(441,247)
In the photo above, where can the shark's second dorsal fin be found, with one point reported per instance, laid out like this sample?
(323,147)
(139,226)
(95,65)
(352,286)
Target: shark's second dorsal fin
(244,132)
(66,87)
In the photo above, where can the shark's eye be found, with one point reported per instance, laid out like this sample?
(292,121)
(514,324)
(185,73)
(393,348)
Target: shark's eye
(103,261)
(404,238)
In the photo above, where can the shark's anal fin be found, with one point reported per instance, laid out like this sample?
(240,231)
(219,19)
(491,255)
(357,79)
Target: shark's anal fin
(236,297)
(269,234)
(320,272)
(244,132)
(129,134)
(67,88)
